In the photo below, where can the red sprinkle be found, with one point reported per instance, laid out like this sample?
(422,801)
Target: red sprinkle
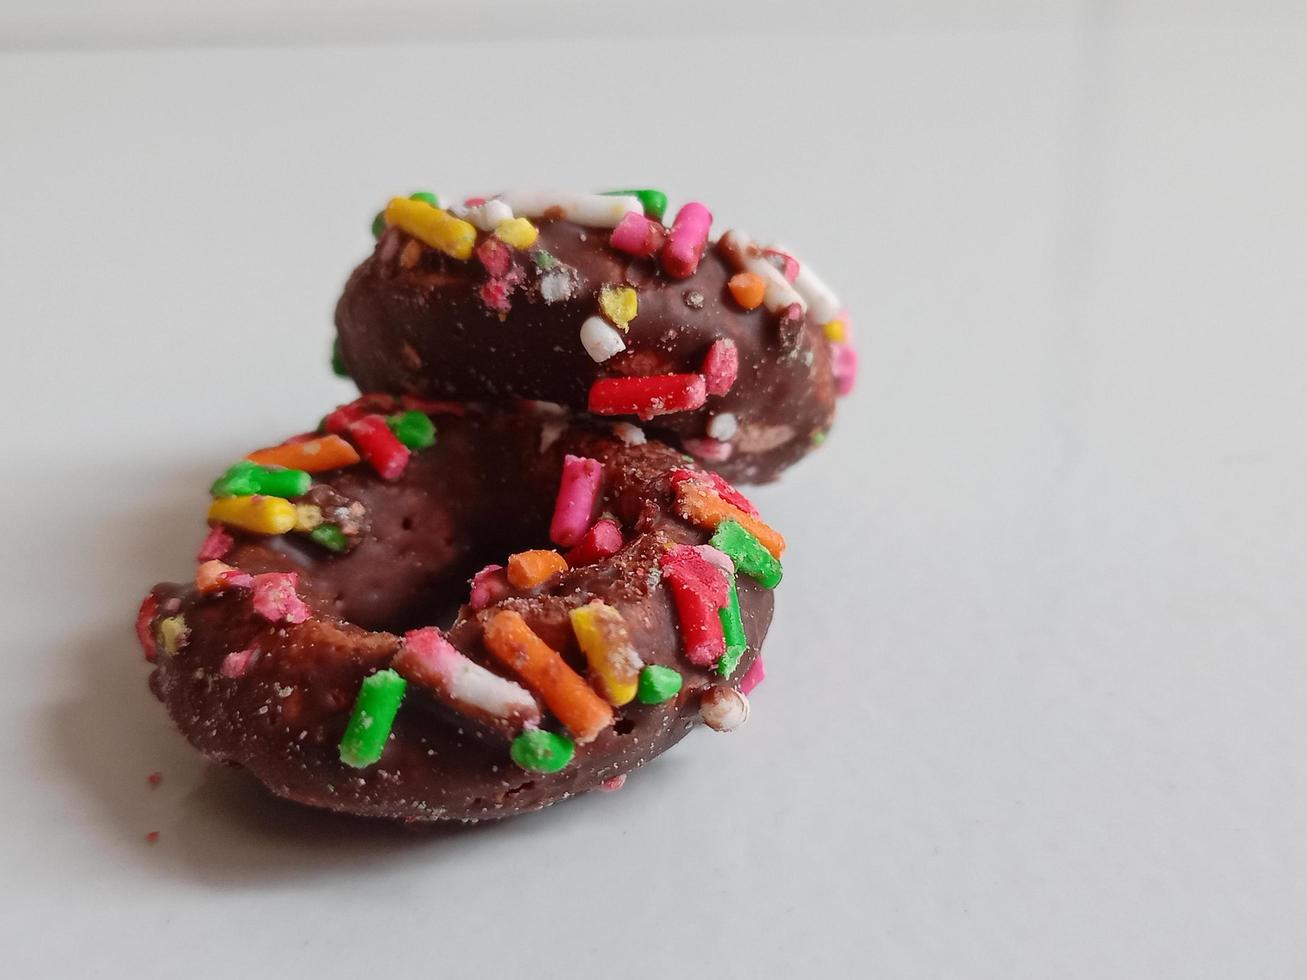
(699,590)
(613,783)
(602,540)
(721,366)
(152,837)
(145,625)
(217,544)
(340,420)
(154,778)
(495,255)
(379,446)
(720,487)
(276,600)
(660,394)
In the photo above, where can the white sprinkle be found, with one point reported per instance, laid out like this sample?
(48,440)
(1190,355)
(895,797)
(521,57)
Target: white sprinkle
(722,426)
(742,254)
(594,210)
(821,300)
(630,434)
(556,285)
(550,432)
(600,340)
(490,215)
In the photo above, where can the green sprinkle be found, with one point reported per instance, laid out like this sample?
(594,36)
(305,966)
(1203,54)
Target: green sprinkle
(536,750)
(245,479)
(426,197)
(733,630)
(413,429)
(543,260)
(330,537)
(337,362)
(379,224)
(654,202)
(657,684)
(818,437)
(374,714)
(748,553)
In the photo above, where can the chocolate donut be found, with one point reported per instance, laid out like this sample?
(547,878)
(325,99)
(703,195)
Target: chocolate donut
(729,350)
(308,652)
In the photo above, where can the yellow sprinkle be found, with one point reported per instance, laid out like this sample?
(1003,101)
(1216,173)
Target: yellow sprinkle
(602,635)
(518,232)
(261,515)
(619,304)
(834,331)
(307,516)
(432,226)
(171,633)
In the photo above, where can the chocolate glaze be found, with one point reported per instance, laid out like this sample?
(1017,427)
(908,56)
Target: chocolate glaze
(484,490)
(412,320)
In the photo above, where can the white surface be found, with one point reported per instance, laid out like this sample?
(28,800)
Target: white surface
(1037,679)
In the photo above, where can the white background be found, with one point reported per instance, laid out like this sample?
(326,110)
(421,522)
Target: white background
(1037,680)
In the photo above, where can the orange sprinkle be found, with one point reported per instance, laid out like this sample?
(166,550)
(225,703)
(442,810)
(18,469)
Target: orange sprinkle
(748,289)
(527,569)
(699,505)
(312,455)
(565,691)
(208,576)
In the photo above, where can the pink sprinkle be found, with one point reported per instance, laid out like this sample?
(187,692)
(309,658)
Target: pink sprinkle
(754,676)
(602,540)
(497,294)
(712,450)
(784,261)
(637,235)
(721,366)
(276,600)
(216,545)
(844,365)
(578,493)
(236,664)
(687,240)
(720,487)
(496,256)
(427,658)
(473,202)
(488,585)
(717,559)
(613,783)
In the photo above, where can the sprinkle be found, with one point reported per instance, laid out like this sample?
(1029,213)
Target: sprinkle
(236,664)
(337,362)
(630,434)
(488,585)
(686,240)
(257,514)
(378,445)
(601,541)
(145,625)
(557,284)
(654,202)
(245,478)
(647,397)
(698,591)
(603,637)
(217,576)
(789,328)
(527,569)
(657,684)
(216,544)
(543,260)
(154,779)
(497,293)
(331,537)
(723,426)
(619,304)
(426,197)
(748,553)
(784,261)
(432,226)
(578,495)
(822,302)
(600,340)
(518,232)
(710,450)
(566,693)
(592,210)
(488,215)
(413,429)
(723,709)
(379,224)
(496,256)
(637,235)
(374,713)
(276,600)
(152,837)
(754,676)
(536,750)
(742,254)
(613,783)
(171,634)
(693,299)
(836,331)
(307,517)
(747,288)
(428,659)
(844,365)
(697,503)
(737,641)
(721,366)
(329,452)
(720,487)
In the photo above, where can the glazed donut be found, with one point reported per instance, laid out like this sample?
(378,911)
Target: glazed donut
(733,351)
(632,608)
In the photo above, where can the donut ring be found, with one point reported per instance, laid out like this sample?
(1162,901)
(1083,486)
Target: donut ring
(733,352)
(263,661)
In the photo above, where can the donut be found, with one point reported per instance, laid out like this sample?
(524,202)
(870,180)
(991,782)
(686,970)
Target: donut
(425,611)
(731,350)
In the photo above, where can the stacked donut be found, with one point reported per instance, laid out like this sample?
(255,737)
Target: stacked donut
(557,389)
